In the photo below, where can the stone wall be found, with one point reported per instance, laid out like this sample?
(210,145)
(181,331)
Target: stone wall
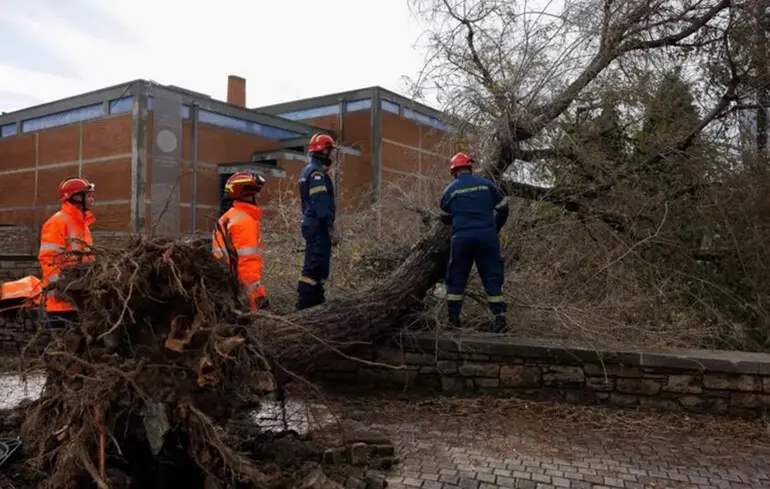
(13,267)
(719,382)
(18,240)
(25,241)
(19,246)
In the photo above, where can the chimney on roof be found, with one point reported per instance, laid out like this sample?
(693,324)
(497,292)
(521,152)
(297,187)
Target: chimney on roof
(236,90)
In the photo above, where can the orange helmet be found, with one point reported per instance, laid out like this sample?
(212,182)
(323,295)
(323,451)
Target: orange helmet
(243,184)
(320,142)
(460,160)
(74,185)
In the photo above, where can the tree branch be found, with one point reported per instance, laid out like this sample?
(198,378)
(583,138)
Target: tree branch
(695,25)
(486,78)
(611,47)
(567,200)
(689,139)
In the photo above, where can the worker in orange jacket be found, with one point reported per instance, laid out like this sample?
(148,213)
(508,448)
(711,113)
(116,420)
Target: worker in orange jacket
(240,224)
(66,240)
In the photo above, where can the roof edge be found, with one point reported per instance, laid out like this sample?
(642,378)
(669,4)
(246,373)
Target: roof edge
(351,95)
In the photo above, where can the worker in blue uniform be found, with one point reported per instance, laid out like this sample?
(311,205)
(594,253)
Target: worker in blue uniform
(476,210)
(318,211)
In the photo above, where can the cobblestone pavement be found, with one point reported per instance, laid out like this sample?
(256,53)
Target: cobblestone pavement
(464,450)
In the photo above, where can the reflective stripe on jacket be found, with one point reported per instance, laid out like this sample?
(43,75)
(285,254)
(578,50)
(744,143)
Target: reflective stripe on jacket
(25,288)
(241,224)
(316,192)
(63,235)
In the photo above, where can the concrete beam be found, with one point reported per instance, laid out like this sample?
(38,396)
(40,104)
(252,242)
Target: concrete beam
(262,169)
(303,141)
(376,143)
(278,155)
(342,147)
(138,160)
(96,97)
(348,150)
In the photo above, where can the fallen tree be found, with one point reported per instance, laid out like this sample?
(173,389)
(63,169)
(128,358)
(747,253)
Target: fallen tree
(163,347)
(161,359)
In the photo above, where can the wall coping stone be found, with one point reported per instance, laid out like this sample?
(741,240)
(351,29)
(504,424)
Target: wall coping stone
(722,361)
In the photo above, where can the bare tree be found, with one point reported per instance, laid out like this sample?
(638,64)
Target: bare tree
(657,165)
(516,74)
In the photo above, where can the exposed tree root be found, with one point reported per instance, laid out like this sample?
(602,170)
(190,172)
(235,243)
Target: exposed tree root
(161,358)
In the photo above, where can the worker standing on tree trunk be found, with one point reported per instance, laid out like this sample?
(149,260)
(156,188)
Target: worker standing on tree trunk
(477,210)
(241,225)
(66,240)
(318,212)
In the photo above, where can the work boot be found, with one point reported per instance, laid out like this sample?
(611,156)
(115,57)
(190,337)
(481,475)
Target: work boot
(454,320)
(501,324)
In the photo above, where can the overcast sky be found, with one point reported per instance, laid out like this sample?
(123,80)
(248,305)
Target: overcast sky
(286,49)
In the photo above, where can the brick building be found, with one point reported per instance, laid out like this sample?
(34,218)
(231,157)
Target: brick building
(159,154)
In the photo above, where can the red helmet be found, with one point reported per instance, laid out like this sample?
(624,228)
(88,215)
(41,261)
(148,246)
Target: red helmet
(460,160)
(243,184)
(74,185)
(320,142)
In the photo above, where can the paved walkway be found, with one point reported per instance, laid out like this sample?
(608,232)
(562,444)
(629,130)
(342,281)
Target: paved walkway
(529,446)
(487,443)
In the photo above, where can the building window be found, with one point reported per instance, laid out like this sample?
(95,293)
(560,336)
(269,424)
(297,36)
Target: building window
(311,113)
(9,130)
(68,117)
(237,124)
(358,105)
(389,106)
(121,105)
(425,119)
(327,110)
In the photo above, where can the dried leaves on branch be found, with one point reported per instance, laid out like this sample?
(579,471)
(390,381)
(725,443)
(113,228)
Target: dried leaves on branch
(632,132)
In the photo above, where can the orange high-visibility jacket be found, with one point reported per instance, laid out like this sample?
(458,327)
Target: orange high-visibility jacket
(27,288)
(241,224)
(65,232)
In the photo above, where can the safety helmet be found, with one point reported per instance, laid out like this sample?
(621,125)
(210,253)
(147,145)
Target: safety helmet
(243,184)
(320,142)
(74,185)
(460,160)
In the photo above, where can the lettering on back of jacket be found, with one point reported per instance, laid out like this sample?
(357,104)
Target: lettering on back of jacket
(473,204)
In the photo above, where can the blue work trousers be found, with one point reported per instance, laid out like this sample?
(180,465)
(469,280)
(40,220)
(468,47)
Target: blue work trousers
(315,269)
(485,252)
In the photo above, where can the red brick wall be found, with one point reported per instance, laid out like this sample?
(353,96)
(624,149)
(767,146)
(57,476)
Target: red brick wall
(355,172)
(215,145)
(99,150)
(409,147)
(415,162)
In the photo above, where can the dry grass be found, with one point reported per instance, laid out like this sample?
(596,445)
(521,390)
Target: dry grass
(565,278)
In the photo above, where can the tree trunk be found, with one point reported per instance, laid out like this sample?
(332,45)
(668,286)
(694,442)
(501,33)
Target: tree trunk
(365,315)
